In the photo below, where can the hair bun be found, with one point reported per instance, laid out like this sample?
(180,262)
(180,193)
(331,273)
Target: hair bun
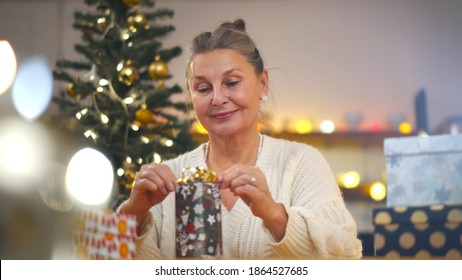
(238,24)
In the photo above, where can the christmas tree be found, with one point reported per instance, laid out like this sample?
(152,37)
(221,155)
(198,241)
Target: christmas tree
(117,96)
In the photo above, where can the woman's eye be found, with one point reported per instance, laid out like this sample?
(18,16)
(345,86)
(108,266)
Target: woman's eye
(203,89)
(232,83)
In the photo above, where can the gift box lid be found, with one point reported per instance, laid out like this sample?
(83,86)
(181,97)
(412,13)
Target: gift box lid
(408,145)
(416,215)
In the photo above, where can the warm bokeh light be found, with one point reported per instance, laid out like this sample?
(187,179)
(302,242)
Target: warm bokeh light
(405,128)
(350,179)
(303,127)
(89,177)
(7,66)
(378,191)
(157,158)
(376,127)
(24,149)
(198,128)
(327,126)
(32,89)
(168,143)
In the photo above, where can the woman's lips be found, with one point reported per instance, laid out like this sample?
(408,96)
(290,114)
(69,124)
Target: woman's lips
(223,114)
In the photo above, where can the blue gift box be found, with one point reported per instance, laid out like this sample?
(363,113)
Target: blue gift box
(424,170)
(418,232)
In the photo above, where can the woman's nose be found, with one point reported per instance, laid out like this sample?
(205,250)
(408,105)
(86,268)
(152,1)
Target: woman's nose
(219,97)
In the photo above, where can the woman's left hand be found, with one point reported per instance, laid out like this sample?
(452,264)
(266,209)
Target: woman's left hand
(249,183)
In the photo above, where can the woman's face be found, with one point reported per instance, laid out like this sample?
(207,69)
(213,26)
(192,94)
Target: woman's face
(226,92)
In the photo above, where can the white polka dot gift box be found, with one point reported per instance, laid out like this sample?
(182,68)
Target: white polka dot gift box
(104,235)
(418,232)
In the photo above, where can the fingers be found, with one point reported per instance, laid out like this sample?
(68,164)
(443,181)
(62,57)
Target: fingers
(241,176)
(156,179)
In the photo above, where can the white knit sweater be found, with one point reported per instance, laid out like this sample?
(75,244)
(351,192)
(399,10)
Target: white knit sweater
(319,225)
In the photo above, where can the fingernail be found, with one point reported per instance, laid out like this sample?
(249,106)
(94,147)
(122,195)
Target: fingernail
(171,186)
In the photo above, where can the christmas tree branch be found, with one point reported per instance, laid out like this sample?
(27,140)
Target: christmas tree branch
(159,14)
(64,63)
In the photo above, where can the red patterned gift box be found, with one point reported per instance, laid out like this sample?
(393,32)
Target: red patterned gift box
(104,235)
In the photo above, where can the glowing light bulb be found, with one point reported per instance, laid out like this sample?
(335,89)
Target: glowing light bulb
(89,177)
(33,88)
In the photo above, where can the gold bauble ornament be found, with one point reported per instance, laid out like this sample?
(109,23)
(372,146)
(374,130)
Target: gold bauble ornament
(160,85)
(143,116)
(138,19)
(132,3)
(102,23)
(70,89)
(130,177)
(128,75)
(158,69)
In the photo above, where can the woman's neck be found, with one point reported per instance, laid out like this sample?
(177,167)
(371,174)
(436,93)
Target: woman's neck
(223,152)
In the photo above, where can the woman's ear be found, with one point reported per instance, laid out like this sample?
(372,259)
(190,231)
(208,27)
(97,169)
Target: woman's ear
(264,82)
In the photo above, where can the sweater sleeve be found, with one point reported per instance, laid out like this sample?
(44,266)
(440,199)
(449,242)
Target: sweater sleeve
(146,242)
(319,225)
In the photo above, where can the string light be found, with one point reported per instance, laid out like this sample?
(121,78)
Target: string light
(327,126)
(129,100)
(303,127)
(405,128)
(378,191)
(82,113)
(144,139)
(157,158)
(120,172)
(169,143)
(135,127)
(103,82)
(104,118)
(350,179)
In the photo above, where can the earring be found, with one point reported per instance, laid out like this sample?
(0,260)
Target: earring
(264,98)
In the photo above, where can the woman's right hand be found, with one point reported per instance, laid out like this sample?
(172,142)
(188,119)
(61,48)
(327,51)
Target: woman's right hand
(152,185)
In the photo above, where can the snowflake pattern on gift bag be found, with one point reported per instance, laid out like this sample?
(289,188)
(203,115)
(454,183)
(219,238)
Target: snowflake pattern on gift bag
(198,215)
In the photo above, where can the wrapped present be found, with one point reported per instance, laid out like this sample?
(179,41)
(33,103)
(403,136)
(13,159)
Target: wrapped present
(424,170)
(418,232)
(198,215)
(104,235)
